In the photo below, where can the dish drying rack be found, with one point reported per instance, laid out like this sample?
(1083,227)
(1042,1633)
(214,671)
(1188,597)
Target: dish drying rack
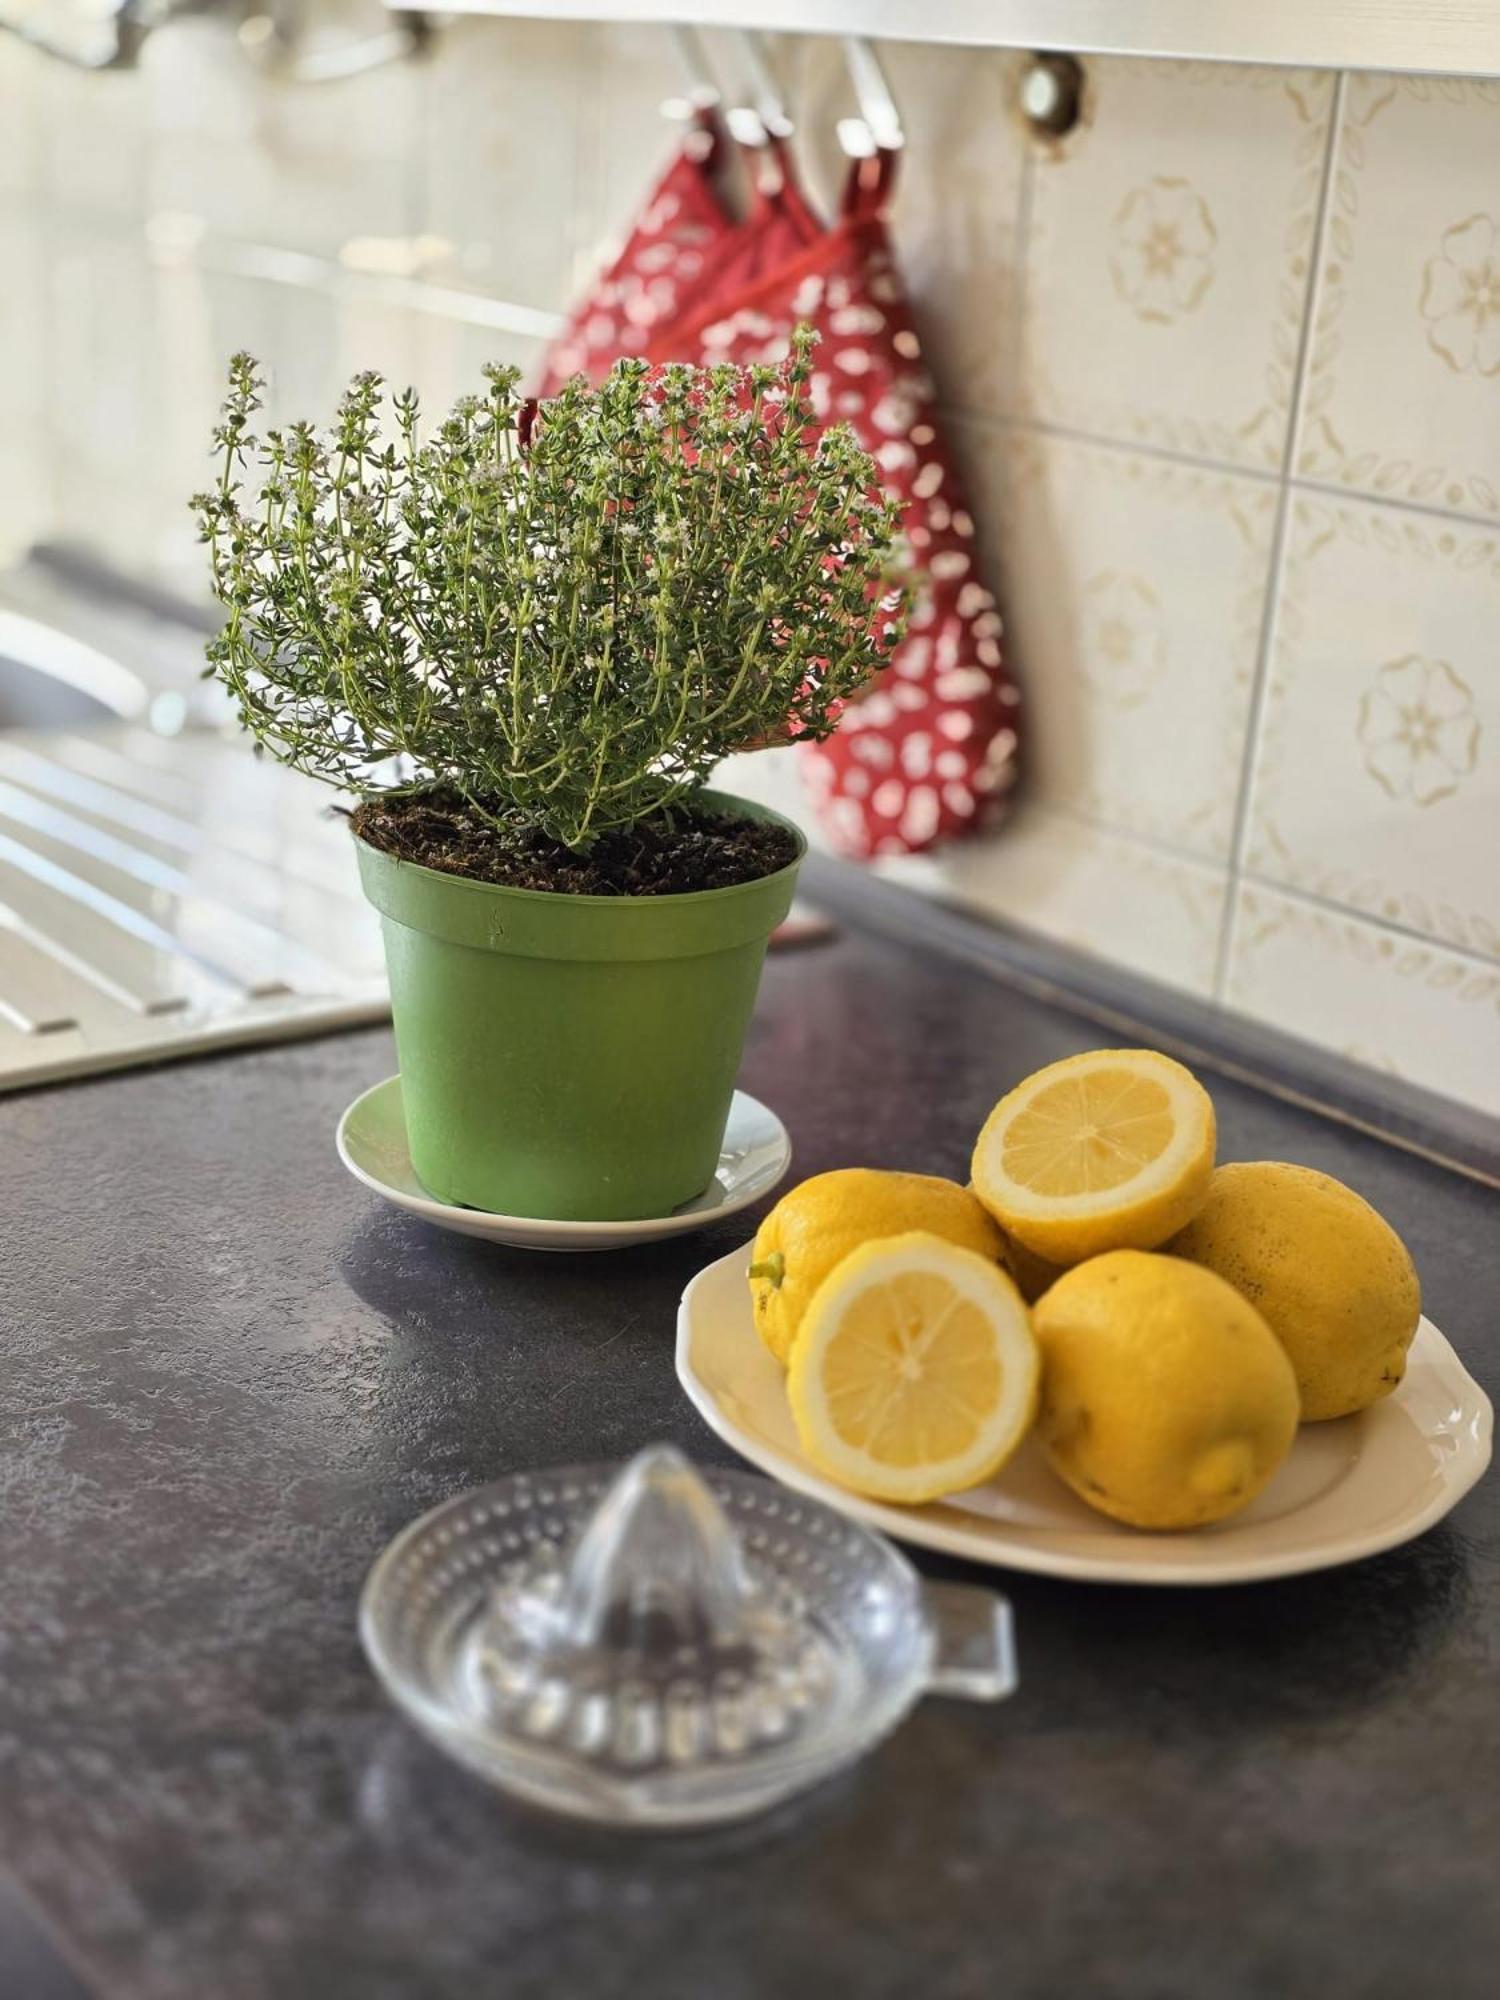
(168,895)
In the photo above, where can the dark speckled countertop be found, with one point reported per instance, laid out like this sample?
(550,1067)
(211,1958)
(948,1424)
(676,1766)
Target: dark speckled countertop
(230,1375)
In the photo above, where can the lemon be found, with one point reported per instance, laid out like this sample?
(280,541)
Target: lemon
(1329,1275)
(1167,1401)
(915,1371)
(815,1227)
(1111,1150)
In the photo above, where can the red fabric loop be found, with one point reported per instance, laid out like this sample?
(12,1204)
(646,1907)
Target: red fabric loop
(870,184)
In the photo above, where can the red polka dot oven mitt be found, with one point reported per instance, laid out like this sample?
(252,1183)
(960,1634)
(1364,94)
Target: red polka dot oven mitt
(932,749)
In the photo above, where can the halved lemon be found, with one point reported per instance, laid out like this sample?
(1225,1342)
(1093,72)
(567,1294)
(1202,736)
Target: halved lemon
(1112,1150)
(914,1372)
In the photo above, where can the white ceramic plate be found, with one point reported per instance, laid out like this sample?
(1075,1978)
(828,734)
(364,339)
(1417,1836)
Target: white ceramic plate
(372,1145)
(1348,1489)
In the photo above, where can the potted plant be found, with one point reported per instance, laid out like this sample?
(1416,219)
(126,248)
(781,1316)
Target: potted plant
(522,644)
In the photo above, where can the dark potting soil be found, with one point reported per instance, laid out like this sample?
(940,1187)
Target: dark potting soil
(671,854)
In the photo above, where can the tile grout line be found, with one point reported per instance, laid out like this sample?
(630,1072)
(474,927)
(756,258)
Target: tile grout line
(1280,538)
(1356,496)
(1021,252)
(1072,434)
(1155,843)
(1168,850)
(1291,892)
(1325,488)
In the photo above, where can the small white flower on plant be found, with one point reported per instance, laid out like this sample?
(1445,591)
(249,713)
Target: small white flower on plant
(1461,296)
(1419,729)
(1162,256)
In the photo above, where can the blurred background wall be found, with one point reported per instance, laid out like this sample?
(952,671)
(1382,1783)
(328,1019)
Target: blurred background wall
(1223,366)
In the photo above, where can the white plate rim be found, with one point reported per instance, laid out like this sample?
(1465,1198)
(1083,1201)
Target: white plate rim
(997,1547)
(541,1232)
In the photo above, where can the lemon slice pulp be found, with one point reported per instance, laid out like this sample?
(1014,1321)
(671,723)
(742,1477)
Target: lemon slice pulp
(1111,1150)
(914,1372)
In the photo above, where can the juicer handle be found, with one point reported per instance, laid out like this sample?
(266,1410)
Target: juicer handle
(974,1642)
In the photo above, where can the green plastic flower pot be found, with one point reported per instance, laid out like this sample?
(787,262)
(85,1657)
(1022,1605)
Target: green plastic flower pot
(570,1056)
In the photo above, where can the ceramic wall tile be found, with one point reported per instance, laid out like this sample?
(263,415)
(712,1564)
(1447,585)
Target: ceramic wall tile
(1415,1010)
(1377,778)
(117,458)
(24,314)
(27,489)
(1403,384)
(501,188)
(311,166)
(93,134)
(1134,592)
(773,778)
(449,356)
(26,484)
(634,74)
(626,138)
(954,214)
(20,140)
(1168,257)
(103,385)
(1097,890)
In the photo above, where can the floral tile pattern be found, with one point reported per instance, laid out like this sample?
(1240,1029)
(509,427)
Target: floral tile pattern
(1416,1010)
(1461,297)
(1135,589)
(1377,781)
(1161,306)
(1419,729)
(1164,250)
(1403,382)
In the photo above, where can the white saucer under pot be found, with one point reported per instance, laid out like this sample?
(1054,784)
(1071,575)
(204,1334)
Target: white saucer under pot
(372,1145)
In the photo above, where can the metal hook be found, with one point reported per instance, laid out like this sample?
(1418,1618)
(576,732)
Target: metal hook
(703,91)
(273,44)
(766,99)
(878,127)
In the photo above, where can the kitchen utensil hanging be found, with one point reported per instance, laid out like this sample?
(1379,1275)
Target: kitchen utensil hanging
(932,750)
(687,246)
(681,232)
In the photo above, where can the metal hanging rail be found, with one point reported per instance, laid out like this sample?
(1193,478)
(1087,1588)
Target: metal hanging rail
(1435,37)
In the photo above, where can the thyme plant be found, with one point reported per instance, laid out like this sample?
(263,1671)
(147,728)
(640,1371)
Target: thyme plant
(565,614)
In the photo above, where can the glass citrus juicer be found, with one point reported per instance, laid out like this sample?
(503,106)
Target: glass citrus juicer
(658,1646)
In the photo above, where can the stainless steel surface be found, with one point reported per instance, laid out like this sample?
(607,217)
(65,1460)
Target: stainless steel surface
(1435,37)
(49,680)
(163,895)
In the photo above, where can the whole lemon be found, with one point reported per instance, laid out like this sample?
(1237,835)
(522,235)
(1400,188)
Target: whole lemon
(1167,1401)
(816,1226)
(1330,1277)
